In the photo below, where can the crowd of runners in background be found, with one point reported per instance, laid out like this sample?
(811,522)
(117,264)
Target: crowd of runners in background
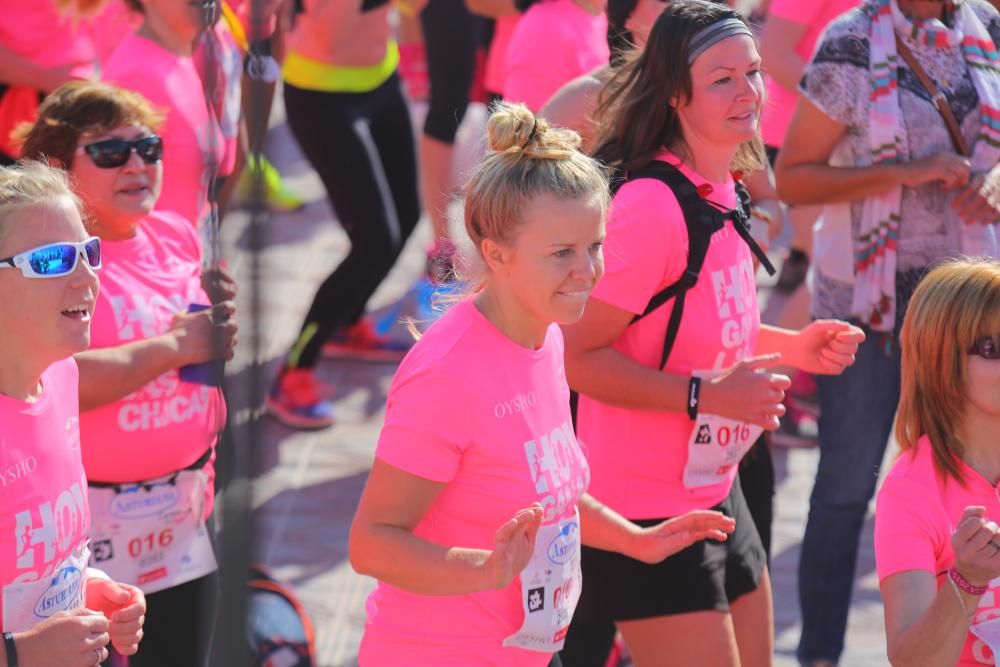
(576,453)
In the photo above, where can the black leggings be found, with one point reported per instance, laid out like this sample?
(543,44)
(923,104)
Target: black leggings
(361,145)
(452,35)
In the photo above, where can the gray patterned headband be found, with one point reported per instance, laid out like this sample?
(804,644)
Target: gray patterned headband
(715,33)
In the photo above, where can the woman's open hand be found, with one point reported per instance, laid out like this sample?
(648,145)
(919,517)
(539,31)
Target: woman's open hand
(514,545)
(653,544)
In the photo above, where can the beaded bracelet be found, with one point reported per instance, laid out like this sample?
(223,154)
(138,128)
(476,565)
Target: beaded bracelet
(965,584)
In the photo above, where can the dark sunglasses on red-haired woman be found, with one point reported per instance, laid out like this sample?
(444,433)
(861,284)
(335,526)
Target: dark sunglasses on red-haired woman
(113,153)
(987,347)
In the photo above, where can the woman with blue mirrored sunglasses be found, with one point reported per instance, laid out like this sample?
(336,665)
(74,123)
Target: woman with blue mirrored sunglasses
(55,259)
(146,377)
(53,610)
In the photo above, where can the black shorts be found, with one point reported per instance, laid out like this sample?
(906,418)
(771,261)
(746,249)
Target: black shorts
(709,575)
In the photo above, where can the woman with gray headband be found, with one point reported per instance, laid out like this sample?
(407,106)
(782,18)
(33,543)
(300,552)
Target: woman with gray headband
(670,357)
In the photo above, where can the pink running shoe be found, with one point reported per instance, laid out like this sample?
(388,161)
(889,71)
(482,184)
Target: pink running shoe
(297,400)
(362,342)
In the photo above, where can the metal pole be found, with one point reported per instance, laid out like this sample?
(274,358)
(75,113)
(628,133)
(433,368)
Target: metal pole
(237,545)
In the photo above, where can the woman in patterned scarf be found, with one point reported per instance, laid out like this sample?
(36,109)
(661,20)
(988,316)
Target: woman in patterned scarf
(865,131)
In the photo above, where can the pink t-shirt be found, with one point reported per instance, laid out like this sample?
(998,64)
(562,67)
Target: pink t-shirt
(496,59)
(638,457)
(554,42)
(168,424)
(37,31)
(815,15)
(915,515)
(115,22)
(44,515)
(470,408)
(192,142)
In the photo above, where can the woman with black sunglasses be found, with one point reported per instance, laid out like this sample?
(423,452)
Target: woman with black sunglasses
(937,543)
(53,610)
(152,410)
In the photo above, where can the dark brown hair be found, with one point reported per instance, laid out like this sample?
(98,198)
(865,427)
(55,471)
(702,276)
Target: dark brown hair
(635,113)
(78,108)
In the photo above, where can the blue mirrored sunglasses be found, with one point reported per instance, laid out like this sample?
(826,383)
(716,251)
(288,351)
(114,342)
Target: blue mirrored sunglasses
(55,259)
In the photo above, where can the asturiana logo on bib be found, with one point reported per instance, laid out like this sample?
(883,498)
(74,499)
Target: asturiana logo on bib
(134,503)
(61,594)
(562,548)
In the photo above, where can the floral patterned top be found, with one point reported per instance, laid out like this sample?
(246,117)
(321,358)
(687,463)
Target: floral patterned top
(838,83)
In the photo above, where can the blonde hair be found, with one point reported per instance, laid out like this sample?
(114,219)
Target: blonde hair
(955,305)
(30,183)
(526,159)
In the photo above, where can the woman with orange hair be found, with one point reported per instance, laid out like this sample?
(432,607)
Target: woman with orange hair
(937,546)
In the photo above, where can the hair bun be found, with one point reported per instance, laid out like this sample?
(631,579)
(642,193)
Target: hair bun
(513,128)
(510,126)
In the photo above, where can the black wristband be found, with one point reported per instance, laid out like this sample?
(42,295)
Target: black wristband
(11,648)
(694,395)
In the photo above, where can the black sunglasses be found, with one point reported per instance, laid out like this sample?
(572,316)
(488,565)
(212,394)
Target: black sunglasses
(987,347)
(112,153)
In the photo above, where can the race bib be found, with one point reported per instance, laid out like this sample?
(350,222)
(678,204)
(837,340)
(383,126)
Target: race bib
(717,444)
(152,534)
(28,603)
(550,587)
(988,632)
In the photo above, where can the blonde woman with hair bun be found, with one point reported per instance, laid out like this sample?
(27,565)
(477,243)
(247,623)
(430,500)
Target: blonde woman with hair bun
(476,504)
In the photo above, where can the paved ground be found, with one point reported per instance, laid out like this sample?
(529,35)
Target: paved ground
(306,485)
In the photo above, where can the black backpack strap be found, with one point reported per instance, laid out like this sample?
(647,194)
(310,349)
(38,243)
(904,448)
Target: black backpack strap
(702,221)
(741,222)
